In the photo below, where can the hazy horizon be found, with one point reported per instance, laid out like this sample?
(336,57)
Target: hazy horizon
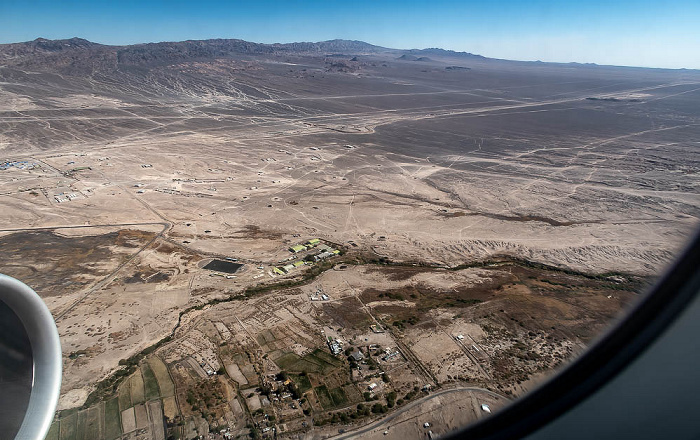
(627,33)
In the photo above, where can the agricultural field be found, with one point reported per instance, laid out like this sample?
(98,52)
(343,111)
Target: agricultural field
(316,362)
(53,433)
(112,426)
(150,384)
(331,399)
(68,427)
(135,405)
(301,381)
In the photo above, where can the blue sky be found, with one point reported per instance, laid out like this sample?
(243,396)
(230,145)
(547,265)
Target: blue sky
(621,32)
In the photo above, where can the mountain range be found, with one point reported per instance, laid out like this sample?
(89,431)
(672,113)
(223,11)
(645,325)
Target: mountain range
(80,54)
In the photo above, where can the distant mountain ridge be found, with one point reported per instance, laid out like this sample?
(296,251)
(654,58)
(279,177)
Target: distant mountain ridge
(183,49)
(443,52)
(79,54)
(43,46)
(138,53)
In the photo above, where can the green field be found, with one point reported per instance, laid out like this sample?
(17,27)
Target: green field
(275,354)
(326,358)
(82,424)
(324,397)
(339,397)
(316,362)
(125,395)
(165,384)
(150,383)
(287,360)
(113,426)
(308,365)
(302,382)
(137,393)
(325,361)
(94,422)
(334,398)
(68,427)
(53,432)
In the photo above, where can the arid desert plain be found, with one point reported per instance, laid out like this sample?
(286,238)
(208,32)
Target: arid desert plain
(330,239)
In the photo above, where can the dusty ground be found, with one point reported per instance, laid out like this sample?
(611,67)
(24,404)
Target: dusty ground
(111,294)
(443,413)
(169,166)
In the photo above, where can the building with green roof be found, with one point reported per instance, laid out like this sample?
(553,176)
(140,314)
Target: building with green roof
(297,248)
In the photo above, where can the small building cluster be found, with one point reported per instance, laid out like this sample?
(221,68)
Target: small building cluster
(357,355)
(335,345)
(376,328)
(19,164)
(302,247)
(326,252)
(320,252)
(65,197)
(288,267)
(320,295)
(390,353)
(177,192)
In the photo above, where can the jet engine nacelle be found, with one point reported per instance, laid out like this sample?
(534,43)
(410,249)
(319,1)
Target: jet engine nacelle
(30,363)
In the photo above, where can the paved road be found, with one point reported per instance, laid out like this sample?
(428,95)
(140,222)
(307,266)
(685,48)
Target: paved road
(413,404)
